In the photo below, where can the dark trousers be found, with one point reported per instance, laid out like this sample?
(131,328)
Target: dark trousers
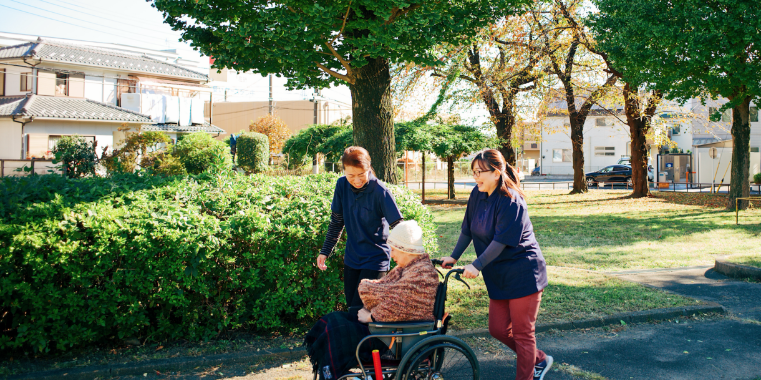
(352,278)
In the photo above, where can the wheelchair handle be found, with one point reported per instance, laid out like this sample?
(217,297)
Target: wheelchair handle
(456,272)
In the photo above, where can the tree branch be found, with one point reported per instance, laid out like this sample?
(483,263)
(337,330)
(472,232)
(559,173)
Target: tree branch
(346,17)
(397,12)
(347,78)
(344,62)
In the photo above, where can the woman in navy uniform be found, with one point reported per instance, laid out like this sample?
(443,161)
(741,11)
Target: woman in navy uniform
(496,221)
(365,207)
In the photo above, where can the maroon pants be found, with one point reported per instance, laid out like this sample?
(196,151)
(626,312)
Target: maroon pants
(512,323)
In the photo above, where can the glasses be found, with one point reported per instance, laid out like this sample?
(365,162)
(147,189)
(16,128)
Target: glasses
(477,172)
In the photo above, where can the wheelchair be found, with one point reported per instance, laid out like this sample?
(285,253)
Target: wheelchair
(420,350)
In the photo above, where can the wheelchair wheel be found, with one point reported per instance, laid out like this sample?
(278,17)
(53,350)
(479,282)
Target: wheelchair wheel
(443,361)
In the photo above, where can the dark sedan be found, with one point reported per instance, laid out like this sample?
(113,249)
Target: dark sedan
(610,174)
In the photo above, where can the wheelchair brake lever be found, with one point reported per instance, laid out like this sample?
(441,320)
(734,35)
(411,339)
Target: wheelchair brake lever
(458,278)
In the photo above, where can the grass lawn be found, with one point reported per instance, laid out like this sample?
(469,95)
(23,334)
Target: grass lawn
(750,259)
(602,230)
(572,294)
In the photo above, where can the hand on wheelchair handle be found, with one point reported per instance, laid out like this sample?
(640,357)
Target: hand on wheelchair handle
(470,271)
(447,262)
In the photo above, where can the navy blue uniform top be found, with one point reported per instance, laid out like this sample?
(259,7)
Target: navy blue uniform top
(366,217)
(519,270)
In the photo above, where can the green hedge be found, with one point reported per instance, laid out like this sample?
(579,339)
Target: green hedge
(199,152)
(253,152)
(158,258)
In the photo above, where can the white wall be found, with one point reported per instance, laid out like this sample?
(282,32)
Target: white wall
(102,131)
(13,80)
(10,139)
(557,136)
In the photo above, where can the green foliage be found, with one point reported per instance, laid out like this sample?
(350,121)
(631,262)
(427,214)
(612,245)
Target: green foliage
(137,145)
(757,178)
(241,35)
(456,140)
(163,162)
(253,152)
(76,155)
(687,50)
(199,152)
(158,258)
(311,140)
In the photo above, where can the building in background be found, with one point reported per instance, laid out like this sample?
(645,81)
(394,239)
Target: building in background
(50,89)
(242,97)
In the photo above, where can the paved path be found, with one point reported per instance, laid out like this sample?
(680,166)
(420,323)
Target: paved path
(689,348)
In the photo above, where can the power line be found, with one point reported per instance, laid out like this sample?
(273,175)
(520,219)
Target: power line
(68,23)
(101,16)
(94,23)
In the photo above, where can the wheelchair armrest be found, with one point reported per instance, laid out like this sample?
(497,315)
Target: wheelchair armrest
(422,325)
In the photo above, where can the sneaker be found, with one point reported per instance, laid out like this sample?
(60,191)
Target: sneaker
(542,368)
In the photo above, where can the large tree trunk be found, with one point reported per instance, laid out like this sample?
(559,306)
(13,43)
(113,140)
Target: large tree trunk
(450,177)
(505,126)
(639,125)
(577,141)
(373,118)
(740,182)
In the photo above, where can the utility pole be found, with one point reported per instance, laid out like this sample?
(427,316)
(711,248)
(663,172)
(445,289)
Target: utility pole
(270,94)
(315,167)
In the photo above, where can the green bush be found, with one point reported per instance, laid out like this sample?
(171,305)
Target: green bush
(253,152)
(159,258)
(757,178)
(76,155)
(199,152)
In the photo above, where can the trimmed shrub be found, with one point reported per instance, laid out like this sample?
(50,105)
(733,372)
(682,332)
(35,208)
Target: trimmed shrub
(199,152)
(161,258)
(757,178)
(76,155)
(274,128)
(253,152)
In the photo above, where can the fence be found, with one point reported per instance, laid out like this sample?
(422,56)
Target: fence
(15,168)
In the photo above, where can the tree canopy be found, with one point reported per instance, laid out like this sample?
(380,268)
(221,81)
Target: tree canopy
(316,43)
(690,49)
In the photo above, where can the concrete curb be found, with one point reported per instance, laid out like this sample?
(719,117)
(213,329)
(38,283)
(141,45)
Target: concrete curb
(730,269)
(615,319)
(186,363)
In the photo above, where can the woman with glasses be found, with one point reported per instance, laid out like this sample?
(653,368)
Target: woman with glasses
(363,205)
(496,221)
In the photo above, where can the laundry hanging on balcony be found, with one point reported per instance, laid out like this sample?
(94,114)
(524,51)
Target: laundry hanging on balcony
(154,106)
(172,109)
(185,104)
(196,111)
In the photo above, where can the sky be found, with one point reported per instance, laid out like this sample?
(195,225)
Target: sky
(133,23)
(128,22)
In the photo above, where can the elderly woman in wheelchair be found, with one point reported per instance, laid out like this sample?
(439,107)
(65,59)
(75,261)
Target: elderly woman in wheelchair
(403,318)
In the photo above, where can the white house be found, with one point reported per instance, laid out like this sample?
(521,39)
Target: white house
(50,89)
(606,140)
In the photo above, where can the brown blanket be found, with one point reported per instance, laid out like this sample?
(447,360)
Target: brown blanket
(404,294)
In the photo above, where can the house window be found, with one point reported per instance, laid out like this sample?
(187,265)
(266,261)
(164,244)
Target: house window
(534,145)
(562,155)
(61,84)
(26,81)
(754,114)
(675,131)
(754,149)
(603,122)
(605,151)
(2,82)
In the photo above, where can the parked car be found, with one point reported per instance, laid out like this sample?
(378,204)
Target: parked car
(537,171)
(626,160)
(610,174)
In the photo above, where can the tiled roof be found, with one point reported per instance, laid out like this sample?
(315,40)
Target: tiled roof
(205,127)
(66,108)
(85,55)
